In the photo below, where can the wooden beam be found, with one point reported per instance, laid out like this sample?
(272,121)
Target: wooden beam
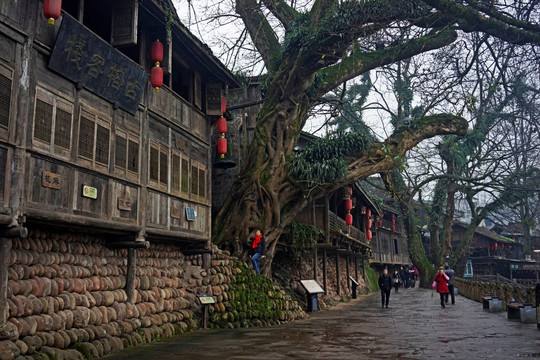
(5,247)
(325,272)
(337,273)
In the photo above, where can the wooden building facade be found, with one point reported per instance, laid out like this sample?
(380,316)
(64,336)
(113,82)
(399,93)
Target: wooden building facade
(85,142)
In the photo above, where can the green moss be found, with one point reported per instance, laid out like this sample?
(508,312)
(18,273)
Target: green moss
(373,278)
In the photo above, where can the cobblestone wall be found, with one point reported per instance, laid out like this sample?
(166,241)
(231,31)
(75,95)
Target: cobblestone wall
(67,297)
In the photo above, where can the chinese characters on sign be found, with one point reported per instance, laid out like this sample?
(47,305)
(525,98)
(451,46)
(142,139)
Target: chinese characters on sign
(89,192)
(51,180)
(92,63)
(124,204)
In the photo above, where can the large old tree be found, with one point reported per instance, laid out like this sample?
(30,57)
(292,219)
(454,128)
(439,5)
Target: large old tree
(309,52)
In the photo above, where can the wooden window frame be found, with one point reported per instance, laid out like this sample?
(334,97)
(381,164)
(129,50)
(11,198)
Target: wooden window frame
(57,102)
(8,73)
(125,170)
(98,120)
(196,193)
(162,150)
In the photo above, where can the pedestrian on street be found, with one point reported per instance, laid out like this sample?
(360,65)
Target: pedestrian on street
(258,250)
(396,280)
(402,275)
(385,284)
(451,275)
(440,284)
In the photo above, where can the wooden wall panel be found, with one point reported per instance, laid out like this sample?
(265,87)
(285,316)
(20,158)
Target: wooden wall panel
(124,197)
(59,199)
(100,206)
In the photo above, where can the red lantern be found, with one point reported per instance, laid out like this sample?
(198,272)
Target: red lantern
(221,125)
(369,235)
(156,52)
(496,246)
(52,10)
(368,212)
(502,246)
(393,221)
(379,224)
(393,228)
(156,78)
(348,219)
(368,224)
(348,204)
(222,147)
(223,105)
(350,190)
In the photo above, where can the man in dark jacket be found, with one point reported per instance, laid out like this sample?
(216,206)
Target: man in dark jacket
(451,275)
(385,284)
(258,250)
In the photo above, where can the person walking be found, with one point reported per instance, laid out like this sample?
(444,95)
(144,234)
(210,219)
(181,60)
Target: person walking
(440,284)
(258,250)
(385,284)
(396,280)
(402,275)
(451,275)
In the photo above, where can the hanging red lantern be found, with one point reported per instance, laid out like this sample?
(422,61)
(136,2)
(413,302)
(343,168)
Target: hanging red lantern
(368,224)
(369,235)
(348,204)
(156,78)
(393,221)
(222,147)
(379,224)
(348,219)
(496,245)
(350,190)
(368,212)
(222,125)
(156,52)
(52,10)
(223,105)
(393,228)
(502,246)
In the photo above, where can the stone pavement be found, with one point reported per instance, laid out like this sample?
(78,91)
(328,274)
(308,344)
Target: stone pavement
(414,327)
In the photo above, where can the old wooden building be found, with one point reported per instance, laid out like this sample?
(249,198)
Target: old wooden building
(84,139)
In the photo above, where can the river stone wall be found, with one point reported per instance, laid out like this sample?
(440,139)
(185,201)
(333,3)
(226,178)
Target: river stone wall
(67,297)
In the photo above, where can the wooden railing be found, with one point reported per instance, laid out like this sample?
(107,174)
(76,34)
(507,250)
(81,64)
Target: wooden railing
(337,223)
(387,258)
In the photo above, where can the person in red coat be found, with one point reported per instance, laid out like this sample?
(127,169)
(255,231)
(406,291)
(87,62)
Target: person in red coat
(440,283)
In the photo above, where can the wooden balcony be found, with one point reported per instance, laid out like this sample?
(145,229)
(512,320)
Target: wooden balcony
(388,258)
(337,223)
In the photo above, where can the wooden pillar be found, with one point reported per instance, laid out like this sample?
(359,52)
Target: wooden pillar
(324,270)
(337,273)
(363,270)
(348,263)
(131,274)
(5,247)
(356,268)
(315,263)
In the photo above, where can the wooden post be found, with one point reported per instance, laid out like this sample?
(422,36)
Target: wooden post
(337,273)
(315,262)
(5,247)
(348,263)
(356,268)
(325,272)
(131,274)
(363,270)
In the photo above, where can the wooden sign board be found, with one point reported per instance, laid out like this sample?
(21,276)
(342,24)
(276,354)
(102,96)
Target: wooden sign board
(176,213)
(312,286)
(89,192)
(124,204)
(51,180)
(354,282)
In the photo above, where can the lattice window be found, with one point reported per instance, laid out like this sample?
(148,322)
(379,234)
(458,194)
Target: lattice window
(202,183)
(185,176)
(62,129)
(102,145)
(43,121)
(163,167)
(154,163)
(120,155)
(133,156)
(175,175)
(5,100)
(86,138)
(194,180)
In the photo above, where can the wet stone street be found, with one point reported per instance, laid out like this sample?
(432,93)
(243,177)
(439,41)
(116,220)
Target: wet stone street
(414,327)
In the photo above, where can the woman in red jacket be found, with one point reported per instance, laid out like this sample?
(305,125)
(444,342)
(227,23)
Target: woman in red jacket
(440,283)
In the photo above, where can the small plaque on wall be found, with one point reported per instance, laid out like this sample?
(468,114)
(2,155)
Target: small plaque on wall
(51,180)
(89,192)
(190,214)
(176,213)
(124,204)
